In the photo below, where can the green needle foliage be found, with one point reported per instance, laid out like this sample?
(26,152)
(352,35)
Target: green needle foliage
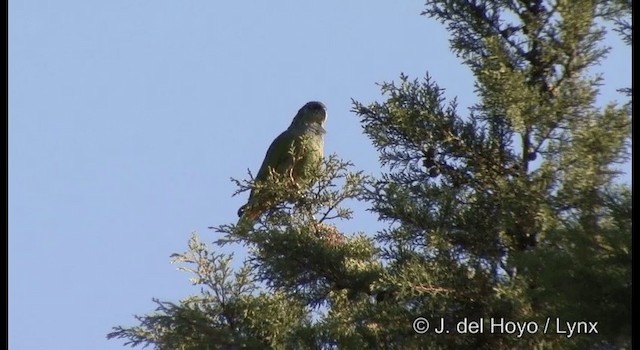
(510,211)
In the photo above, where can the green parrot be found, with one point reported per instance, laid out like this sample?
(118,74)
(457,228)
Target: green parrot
(306,136)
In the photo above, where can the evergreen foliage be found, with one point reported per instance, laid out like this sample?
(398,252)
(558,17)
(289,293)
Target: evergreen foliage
(510,211)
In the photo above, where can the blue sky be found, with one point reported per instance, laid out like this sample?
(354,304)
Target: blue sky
(127,119)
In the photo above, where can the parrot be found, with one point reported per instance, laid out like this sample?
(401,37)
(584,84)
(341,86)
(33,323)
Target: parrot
(306,136)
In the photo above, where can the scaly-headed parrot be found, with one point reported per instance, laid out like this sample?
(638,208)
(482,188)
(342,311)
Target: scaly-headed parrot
(305,136)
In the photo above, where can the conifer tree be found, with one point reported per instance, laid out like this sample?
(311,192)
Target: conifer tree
(510,211)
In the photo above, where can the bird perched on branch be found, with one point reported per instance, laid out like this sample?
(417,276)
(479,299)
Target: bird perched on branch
(293,153)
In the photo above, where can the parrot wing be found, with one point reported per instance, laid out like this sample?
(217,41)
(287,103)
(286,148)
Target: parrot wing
(278,157)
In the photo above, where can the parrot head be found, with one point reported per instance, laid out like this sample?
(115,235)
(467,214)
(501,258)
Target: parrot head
(311,116)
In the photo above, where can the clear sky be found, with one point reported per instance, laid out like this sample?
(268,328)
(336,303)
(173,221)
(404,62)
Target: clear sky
(128,117)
